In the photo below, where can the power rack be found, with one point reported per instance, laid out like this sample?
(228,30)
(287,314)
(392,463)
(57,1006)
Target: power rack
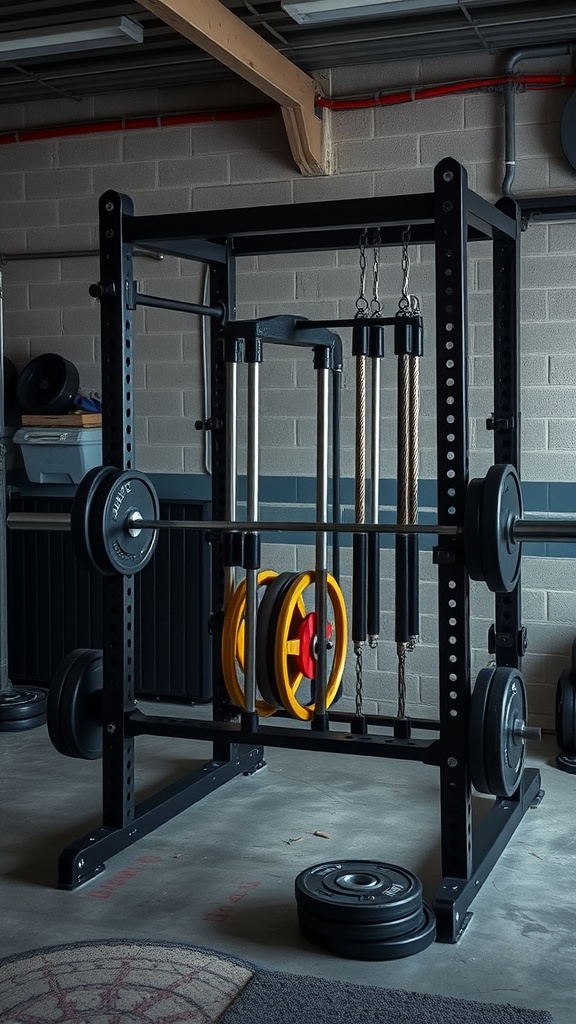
(449,217)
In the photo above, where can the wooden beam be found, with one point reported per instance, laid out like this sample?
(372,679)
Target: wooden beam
(214,28)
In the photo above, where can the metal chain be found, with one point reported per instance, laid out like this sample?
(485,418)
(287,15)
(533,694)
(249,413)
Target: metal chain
(362,304)
(408,305)
(404,305)
(359,694)
(401,712)
(414,453)
(375,304)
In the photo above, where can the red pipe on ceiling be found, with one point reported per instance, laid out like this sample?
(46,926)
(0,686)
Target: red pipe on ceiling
(127,124)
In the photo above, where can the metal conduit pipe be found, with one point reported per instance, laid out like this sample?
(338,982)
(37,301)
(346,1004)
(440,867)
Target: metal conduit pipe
(16,257)
(512,61)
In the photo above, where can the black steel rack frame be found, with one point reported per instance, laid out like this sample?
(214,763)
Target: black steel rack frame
(449,217)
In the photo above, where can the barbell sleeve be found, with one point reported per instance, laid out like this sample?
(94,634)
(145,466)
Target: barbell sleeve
(535,531)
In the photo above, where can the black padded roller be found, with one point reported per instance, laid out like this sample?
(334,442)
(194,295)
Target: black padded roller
(359,579)
(402,631)
(373,584)
(413,585)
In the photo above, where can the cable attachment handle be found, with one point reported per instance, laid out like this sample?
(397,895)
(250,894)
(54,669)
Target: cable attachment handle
(362,304)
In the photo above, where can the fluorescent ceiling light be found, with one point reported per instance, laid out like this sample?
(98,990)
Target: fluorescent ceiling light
(306,12)
(87,35)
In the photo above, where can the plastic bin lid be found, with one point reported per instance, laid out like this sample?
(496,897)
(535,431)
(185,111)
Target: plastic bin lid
(58,435)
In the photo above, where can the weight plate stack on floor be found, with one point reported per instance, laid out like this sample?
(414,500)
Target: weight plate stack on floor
(22,707)
(364,910)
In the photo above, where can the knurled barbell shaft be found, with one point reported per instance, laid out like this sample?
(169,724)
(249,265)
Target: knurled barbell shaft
(525,530)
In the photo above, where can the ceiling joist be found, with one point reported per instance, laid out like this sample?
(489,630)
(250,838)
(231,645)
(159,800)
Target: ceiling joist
(215,29)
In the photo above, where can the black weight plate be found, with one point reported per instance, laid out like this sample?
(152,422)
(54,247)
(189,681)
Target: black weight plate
(20,724)
(82,515)
(566,763)
(472,516)
(81,708)
(266,623)
(573,657)
(74,716)
(54,695)
(48,384)
(504,751)
(391,949)
(372,931)
(501,505)
(476,729)
(567,134)
(566,712)
(119,549)
(22,702)
(358,891)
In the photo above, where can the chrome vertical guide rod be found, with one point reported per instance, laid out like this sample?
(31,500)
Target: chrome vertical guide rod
(252,475)
(374,478)
(321,589)
(231,499)
(375,449)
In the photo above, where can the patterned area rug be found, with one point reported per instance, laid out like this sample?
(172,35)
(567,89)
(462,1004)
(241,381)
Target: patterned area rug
(124,982)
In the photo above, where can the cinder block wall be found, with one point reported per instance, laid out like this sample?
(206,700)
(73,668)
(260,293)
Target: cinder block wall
(48,201)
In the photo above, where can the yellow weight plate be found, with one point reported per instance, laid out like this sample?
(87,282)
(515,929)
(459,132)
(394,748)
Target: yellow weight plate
(233,644)
(284,646)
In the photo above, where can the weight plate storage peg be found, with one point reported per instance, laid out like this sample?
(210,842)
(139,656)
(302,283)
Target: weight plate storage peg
(22,707)
(75,705)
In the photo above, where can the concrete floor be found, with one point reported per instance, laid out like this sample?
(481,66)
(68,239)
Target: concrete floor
(222,873)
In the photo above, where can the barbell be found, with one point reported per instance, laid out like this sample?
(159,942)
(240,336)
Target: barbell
(114,524)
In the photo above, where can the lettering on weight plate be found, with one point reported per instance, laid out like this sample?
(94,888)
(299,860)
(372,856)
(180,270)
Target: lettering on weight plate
(119,500)
(393,889)
(223,912)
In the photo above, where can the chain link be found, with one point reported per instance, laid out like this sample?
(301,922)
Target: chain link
(409,305)
(362,304)
(359,693)
(375,304)
(401,713)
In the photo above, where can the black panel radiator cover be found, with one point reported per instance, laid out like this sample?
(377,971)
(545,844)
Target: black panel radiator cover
(55,605)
